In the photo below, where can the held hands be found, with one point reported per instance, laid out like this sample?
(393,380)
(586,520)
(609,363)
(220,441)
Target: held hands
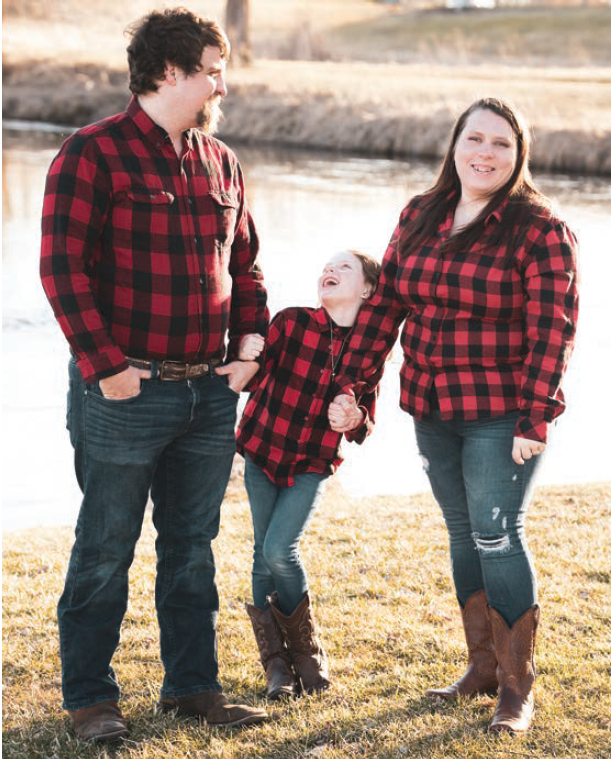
(239,373)
(524,449)
(124,385)
(344,414)
(251,347)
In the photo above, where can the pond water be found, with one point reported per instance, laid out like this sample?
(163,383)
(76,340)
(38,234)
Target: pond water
(306,206)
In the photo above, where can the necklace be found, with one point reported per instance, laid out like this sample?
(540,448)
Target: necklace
(336,359)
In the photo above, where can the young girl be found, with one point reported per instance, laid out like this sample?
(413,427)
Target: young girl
(290,450)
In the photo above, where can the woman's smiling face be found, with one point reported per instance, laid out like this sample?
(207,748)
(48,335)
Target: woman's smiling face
(485,154)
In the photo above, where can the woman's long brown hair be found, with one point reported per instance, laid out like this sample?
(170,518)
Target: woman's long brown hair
(435,203)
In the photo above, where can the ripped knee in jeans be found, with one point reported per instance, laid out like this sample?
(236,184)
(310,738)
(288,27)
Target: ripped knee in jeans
(487,544)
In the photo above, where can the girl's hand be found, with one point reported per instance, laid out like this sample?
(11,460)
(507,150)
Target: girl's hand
(251,347)
(524,449)
(344,414)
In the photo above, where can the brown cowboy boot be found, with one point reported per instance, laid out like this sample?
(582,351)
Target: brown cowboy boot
(515,648)
(279,675)
(214,707)
(100,722)
(480,676)
(307,655)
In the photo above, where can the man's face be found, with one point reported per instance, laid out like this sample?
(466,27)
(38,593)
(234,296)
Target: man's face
(199,95)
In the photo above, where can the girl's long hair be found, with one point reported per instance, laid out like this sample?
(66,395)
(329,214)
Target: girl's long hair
(524,198)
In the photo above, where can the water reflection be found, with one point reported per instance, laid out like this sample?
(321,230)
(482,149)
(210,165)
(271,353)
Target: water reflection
(306,206)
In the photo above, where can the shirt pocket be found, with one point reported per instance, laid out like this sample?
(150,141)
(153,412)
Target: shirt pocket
(225,206)
(141,219)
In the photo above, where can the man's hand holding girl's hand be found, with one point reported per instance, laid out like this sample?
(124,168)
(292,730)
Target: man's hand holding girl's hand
(344,414)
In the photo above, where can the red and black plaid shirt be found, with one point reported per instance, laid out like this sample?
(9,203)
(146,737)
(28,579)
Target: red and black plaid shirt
(284,428)
(491,332)
(145,254)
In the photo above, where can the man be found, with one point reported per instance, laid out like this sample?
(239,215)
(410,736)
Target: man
(149,260)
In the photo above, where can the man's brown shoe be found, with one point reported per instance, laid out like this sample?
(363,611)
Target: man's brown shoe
(100,722)
(215,708)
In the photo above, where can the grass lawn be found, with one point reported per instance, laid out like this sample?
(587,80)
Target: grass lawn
(380,582)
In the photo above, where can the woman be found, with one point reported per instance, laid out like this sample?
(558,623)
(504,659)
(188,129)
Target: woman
(484,275)
(290,451)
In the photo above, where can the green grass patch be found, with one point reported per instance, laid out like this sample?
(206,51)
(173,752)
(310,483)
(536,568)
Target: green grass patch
(380,583)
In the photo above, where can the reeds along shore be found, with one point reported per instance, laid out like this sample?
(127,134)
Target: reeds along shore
(380,110)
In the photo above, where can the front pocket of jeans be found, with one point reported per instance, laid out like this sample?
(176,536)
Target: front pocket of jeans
(94,391)
(121,431)
(225,383)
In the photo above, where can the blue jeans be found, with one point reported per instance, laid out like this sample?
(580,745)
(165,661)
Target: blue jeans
(280,517)
(483,495)
(176,440)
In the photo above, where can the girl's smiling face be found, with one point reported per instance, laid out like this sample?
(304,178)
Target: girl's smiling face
(342,281)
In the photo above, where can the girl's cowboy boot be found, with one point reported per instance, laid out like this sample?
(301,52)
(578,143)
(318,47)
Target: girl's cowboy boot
(279,676)
(307,655)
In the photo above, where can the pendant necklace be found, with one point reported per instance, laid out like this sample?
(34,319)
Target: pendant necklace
(336,359)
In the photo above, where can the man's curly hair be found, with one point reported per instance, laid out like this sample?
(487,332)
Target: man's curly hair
(174,36)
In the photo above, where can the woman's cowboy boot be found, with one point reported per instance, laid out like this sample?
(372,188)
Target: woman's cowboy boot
(307,655)
(480,676)
(279,676)
(515,648)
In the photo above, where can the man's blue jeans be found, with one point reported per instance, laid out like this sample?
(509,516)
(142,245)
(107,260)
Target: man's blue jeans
(280,516)
(483,495)
(176,440)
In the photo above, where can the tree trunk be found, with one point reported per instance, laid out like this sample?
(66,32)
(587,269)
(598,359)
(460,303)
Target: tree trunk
(237,26)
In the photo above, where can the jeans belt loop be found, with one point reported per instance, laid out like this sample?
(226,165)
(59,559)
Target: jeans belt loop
(154,369)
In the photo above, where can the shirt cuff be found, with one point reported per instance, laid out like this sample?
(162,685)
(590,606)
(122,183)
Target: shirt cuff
(360,433)
(97,366)
(532,428)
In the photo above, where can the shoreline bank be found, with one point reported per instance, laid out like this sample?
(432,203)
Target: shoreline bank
(379,110)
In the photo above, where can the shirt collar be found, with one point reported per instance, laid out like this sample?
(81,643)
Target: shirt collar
(155,133)
(495,215)
(321,319)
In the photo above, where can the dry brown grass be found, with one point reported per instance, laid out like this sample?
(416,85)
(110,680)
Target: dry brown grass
(379,575)
(69,68)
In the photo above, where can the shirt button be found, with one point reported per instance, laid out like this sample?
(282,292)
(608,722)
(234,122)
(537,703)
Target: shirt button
(190,201)
(195,240)
(201,280)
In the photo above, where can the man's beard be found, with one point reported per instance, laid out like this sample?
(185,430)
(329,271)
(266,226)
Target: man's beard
(210,115)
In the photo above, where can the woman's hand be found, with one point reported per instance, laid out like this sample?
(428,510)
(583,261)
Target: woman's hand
(251,347)
(524,449)
(344,414)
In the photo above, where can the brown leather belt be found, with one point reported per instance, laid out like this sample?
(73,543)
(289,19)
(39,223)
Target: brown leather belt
(174,370)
